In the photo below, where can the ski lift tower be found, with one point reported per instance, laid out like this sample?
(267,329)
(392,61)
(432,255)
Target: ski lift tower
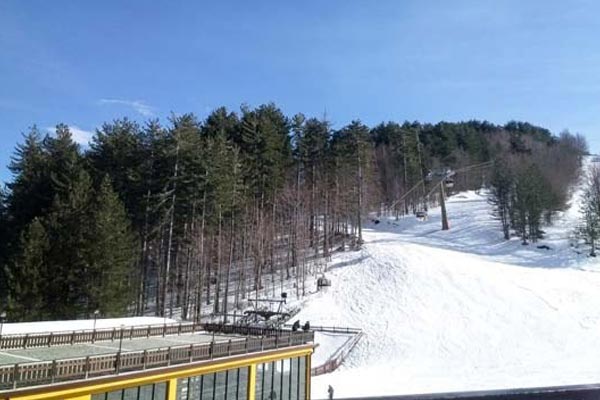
(447,182)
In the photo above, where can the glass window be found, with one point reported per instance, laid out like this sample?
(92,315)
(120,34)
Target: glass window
(116,395)
(146,392)
(207,386)
(220,386)
(225,385)
(160,391)
(131,393)
(302,379)
(242,388)
(182,388)
(195,388)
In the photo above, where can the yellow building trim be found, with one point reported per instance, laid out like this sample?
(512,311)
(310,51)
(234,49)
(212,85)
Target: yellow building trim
(160,375)
(84,397)
(172,389)
(308,375)
(252,382)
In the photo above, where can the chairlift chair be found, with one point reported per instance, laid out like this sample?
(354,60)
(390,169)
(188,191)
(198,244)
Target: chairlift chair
(323,282)
(449,183)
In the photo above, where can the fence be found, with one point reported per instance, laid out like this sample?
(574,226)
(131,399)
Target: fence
(38,373)
(46,339)
(338,357)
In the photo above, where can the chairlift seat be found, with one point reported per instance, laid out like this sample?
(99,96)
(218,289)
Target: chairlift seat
(322,282)
(421,214)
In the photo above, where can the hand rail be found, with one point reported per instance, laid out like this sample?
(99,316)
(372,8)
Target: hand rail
(45,372)
(48,339)
(338,357)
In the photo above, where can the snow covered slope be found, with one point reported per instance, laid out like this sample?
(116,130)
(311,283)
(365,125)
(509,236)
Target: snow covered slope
(461,309)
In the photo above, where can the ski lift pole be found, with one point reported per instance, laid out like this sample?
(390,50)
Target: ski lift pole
(445,225)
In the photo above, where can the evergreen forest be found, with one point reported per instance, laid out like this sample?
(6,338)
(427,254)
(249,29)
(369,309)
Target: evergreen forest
(192,217)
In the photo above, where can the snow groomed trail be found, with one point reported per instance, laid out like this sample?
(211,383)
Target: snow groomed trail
(461,310)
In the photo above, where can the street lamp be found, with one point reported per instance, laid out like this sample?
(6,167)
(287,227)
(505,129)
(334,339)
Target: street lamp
(96,313)
(120,347)
(2,319)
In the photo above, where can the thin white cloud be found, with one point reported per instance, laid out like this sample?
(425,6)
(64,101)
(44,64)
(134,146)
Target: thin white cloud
(138,105)
(80,136)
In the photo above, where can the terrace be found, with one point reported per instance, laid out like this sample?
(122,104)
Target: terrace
(46,358)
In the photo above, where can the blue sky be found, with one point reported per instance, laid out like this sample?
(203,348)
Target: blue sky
(83,63)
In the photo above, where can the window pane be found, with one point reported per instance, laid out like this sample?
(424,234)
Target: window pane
(232,383)
(160,391)
(207,387)
(131,393)
(243,385)
(302,380)
(220,386)
(146,392)
(275,381)
(182,388)
(260,381)
(116,395)
(285,379)
(99,396)
(195,388)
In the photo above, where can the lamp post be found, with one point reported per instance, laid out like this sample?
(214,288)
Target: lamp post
(120,347)
(96,313)
(2,319)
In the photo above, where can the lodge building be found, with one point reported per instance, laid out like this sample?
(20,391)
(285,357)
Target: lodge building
(184,361)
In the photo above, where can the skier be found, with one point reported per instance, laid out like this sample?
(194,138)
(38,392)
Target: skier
(306,327)
(330,392)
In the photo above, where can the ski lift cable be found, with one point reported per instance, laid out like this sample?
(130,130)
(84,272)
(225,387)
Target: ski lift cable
(421,182)
(407,193)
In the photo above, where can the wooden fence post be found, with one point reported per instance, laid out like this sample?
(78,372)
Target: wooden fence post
(87,367)
(144,359)
(15,376)
(53,371)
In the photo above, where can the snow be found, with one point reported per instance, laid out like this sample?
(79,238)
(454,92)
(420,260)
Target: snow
(461,309)
(81,324)
(328,344)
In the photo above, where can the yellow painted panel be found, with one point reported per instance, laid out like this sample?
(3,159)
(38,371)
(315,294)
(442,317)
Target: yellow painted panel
(162,376)
(252,383)
(84,397)
(172,389)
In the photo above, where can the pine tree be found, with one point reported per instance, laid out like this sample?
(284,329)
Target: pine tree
(26,280)
(30,193)
(111,255)
(68,265)
(500,194)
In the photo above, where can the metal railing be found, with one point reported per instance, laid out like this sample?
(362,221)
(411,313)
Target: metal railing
(38,373)
(47,339)
(332,329)
(338,357)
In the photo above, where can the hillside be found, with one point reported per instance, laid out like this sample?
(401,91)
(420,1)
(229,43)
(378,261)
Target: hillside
(462,309)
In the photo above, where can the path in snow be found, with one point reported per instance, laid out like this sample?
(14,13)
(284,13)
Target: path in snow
(460,310)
